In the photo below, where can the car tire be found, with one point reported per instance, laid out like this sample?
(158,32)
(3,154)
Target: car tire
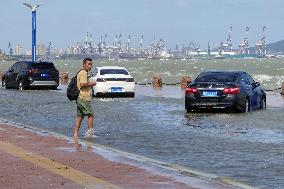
(262,103)
(247,106)
(4,84)
(21,85)
(188,109)
(132,95)
(244,107)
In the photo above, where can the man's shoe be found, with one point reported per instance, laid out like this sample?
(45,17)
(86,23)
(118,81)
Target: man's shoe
(90,133)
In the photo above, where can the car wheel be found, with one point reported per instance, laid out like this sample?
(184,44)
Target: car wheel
(189,109)
(247,107)
(4,84)
(244,107)
(262,103)
(132,95)
(21,85)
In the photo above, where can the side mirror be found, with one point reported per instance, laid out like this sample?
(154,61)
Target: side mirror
(256,84)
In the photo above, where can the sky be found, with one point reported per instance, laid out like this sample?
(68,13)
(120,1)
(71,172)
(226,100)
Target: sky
(65,22)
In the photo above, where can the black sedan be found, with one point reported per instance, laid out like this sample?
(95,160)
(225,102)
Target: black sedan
(230,90)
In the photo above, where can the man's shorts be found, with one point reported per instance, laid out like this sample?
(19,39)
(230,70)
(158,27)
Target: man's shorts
(84,108)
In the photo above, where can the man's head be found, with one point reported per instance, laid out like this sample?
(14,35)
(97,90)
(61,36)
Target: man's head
(87,64)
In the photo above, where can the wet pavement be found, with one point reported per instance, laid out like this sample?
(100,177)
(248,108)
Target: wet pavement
(55,162)
(247,147)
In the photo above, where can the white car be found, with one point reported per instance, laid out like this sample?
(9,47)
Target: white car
(112,80)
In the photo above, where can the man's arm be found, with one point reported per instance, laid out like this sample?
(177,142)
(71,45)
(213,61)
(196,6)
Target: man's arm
(89,84)
(83,79)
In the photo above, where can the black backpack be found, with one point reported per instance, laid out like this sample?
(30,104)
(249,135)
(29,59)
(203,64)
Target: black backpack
(72,89)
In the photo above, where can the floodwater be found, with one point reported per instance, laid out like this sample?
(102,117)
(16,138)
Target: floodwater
(248,147)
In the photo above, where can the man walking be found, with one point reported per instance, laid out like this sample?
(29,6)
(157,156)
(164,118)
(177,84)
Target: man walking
(84,100)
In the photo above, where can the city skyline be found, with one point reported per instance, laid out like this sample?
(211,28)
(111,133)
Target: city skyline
(176,21)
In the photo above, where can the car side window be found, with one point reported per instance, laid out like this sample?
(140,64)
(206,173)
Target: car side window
(92,73)
(95,72)
(20,66)
(250,79)
(244,80)
(15,67)
(24,66)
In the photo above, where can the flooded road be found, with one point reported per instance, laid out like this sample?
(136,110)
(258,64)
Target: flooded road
(248,147)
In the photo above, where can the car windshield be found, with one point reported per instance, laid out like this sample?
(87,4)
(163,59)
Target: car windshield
(113,71)
(217,77)
(42,65)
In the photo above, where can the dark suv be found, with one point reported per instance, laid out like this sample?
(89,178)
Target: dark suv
(27,74)
(232,90)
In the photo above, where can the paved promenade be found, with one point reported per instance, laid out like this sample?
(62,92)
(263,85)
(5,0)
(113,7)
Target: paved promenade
(31,158)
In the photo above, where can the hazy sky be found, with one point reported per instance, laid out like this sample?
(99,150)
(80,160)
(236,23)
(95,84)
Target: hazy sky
(64,22)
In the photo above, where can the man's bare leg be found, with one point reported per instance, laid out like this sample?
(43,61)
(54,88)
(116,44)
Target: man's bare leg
(91,122)
(77,125)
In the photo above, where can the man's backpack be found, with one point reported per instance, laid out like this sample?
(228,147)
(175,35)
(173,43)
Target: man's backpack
(72,89)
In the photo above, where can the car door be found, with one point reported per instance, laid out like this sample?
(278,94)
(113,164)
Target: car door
(12,75)
(257,91)
(254,90)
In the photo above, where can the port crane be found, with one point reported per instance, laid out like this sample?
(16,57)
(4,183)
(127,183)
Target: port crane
(261,45)
(244,46)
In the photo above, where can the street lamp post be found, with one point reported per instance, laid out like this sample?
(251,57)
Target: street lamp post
(33,8)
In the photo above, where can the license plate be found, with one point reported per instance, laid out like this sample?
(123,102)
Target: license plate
(44,75)
(116,89)
(209,93)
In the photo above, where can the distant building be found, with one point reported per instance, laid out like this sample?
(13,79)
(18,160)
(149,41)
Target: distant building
(1,54)
(18,50)
(72,49)
(29,52)
(41,50)
(58,52)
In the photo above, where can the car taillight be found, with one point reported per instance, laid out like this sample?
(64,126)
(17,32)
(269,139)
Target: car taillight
(101,80)
(129,80)
(191,90)
(233,90)
(33,71)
